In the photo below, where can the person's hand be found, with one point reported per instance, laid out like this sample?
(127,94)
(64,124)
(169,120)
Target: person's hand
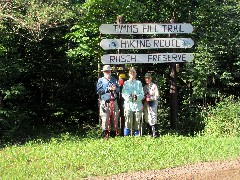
(148,99)
(134,97)
(112,87)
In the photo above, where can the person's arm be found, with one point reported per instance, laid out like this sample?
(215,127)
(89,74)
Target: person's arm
(101,88)
(155,95)
(145,91)
(126,92)
(140,93)
(117,86)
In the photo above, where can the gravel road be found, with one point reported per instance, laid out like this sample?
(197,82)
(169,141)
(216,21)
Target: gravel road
(220,170)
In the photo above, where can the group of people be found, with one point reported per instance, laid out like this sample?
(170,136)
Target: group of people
(140,103)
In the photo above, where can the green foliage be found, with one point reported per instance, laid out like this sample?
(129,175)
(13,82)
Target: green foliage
(33,19)
(163,106)
(50,54)
(224,118)
(191,119)
(2,50)
(39,85)
(216,63)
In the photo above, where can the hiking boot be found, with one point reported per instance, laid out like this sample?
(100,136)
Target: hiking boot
(154,131)
(105,134)
(136,133)
(113,134)
(126,132)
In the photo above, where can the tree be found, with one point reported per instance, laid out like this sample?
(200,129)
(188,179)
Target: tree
(34,18)
(35,75)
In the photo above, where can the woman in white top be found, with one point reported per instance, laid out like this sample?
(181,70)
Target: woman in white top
(150,104)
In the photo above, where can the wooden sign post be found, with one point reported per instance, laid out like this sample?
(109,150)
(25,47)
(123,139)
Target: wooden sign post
(120,21)
(173,89)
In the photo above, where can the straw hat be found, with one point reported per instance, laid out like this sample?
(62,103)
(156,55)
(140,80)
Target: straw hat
(106,68)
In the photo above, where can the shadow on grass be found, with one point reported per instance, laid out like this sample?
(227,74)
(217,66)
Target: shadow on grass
(47,133)
(59,131)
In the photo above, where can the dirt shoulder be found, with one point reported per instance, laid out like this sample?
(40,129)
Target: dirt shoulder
(223,170)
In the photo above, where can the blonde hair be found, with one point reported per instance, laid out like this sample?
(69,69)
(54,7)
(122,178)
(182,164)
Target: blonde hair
(134,71)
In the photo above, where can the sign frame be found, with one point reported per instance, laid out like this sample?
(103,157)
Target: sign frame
(147,58)
(152,43)
(146,28)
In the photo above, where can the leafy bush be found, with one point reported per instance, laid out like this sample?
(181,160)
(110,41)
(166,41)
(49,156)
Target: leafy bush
(191,119)
(15,125)
(163,119)
(223,119)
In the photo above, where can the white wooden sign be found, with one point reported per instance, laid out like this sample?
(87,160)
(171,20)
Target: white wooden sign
(146,58)
(152,43)
(146,28)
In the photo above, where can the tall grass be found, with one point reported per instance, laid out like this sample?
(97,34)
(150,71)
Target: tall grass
(71,157)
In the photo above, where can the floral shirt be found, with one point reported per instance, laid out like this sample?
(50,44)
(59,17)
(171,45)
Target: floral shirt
(152,91)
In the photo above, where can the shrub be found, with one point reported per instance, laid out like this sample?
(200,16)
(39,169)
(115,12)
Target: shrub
(223,119)
(190,119)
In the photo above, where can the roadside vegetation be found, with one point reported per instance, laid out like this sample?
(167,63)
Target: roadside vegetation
(70,156)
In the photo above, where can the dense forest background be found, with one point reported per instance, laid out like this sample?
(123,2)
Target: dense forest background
(50,61)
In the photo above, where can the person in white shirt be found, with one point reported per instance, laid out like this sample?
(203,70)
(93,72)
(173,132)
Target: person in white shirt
(150,104)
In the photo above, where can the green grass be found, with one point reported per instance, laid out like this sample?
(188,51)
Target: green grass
(70,157)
